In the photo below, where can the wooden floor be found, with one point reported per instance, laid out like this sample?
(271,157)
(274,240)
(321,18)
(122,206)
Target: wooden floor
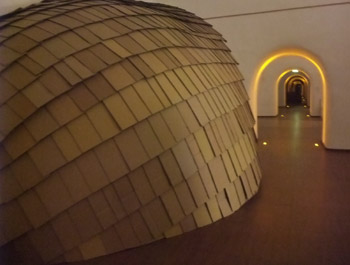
(301,215)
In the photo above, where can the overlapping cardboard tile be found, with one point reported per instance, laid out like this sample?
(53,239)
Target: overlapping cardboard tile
(92,171)
(18,142)
(66,231)
(73,255)
(74,181)
(158,215)
(148,96)
(74,40)
(54,82)
(141,186)
(140,228)
(114,201)
(131,148)
(12,73)
(148,138)
(127,194)
(7,90)
(92,248)
(48,190)
(87,35)
(127,233)
(82,97)
(37,93)
(135,103)
(214,209)
(224,204)
(111,240)
(102,210)
(153,62)
(46,243)
(84,220)
(201,216)
(233,197)
(156,176)
(9,186)
(13,221)
(175,122)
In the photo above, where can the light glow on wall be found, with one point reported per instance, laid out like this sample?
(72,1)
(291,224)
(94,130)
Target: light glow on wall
(291,53)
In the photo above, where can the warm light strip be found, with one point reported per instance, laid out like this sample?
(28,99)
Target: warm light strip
(298,53)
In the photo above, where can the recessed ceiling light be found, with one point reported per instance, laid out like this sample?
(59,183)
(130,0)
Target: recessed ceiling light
(295,71)
(317,145)
(264,143)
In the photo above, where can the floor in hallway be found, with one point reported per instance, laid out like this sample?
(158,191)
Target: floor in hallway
(301,215)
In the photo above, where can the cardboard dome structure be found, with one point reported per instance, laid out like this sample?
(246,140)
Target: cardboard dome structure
(121,123)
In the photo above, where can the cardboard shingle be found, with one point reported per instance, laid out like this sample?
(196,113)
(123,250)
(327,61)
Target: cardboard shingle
(18,142)
(141,185)
(148,96)
(92,248)
(63,109)
(66,143)
(82,97)
(9,186)
(114,201)
(12,73)
(37,94)
(157,176)
(172,206)
(127,195)
(140,228)
(99,86)
(127,233)
(135,103)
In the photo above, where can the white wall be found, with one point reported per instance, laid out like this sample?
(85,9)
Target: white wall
(323,31)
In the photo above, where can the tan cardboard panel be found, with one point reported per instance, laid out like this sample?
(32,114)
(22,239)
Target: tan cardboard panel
(8,55)
(54,82)
(219,174)
(12,73)
(92,171)
(66,232)
(240,155)
(235,161)
(78,67)
(140,228)
(167,35)
(130,44)
(105,54)
(187,81)
(48,191)
(84,133)
(144,41)
(251,180)
(18,142)
(197,189)
(116,26)
(92,248)
(82,97)
(212,104)
(212,140)
(111,160)
(116,48)
(103,121)
(188,224)
(214,209)
(21,105)
(73,255)
(26,172)
(240,191)
(208,110)
(13,221)
(135,103)
(159,92)
(99,86)
(47,156)
(153,62)
(197,155)
(31,65)
(87,35)
(176,230)
(37,94)
(66,143)
(132,70)
(185,198)
(175,122)
(188,116)
(148,138)
(223,133)
(111,240)
(6,91)
(114,202)
(63,109)
(41,124)
(102,210)
(152,226)
(118,77)
(178,85)
(127,233)
(141,66)
(204,146)
(231,172)
(84,220)
(171,167)
(46,243)
(74,40)
(141,186)
(90,60)
(74,181)
(156,176)
(127,194)
(219,105)
(19,43)
(42,56)
(201,216)
(158,215)
(9,186)
(36,33)
(148,96)
(5,158)
(224,204)
(168,88)
(233,197)
(66,21)
(177,53)
(163,56)
(67,73)
(172,206)
(184,158)
(59,48)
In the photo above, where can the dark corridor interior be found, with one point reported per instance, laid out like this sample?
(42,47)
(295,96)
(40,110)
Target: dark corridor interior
(301,214)
(295,95)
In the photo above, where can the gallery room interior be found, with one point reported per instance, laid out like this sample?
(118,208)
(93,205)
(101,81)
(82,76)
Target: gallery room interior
(174,132)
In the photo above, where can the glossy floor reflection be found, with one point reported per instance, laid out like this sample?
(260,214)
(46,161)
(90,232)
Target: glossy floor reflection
(301,215)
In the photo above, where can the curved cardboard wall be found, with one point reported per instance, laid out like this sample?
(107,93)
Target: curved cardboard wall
(121,123)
